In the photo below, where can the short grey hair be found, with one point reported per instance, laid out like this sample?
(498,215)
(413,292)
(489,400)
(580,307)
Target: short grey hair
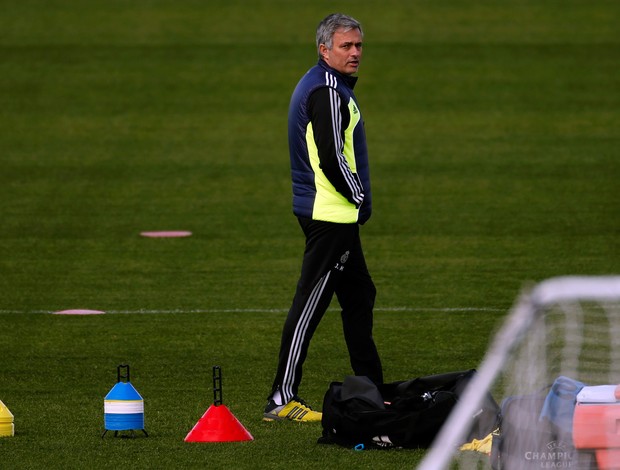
(332,23)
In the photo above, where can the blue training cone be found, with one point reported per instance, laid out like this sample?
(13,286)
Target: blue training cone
(123,406)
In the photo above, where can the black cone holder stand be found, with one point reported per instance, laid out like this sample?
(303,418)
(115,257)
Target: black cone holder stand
(217,385)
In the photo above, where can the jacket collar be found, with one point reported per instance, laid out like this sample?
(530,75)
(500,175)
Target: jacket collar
(350,80)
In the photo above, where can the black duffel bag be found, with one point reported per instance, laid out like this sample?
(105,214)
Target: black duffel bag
(405,414)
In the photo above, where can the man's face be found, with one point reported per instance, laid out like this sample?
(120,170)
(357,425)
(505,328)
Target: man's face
(346,51)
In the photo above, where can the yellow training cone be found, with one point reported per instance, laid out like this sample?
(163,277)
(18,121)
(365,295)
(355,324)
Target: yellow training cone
(7,428)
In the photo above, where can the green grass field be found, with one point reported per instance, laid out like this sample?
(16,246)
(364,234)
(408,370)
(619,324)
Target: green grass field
(493,128)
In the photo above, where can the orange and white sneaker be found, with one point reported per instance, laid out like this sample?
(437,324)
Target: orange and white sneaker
(294,410)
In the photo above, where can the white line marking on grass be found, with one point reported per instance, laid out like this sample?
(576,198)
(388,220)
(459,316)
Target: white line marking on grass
(274,310)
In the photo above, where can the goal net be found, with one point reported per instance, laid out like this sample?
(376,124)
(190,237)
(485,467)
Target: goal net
(559,344)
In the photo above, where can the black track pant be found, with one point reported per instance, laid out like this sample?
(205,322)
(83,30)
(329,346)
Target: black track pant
(333,263)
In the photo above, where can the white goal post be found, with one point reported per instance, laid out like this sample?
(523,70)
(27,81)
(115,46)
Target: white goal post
(577,299)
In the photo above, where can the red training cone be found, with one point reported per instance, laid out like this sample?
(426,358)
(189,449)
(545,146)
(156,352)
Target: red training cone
(218,424)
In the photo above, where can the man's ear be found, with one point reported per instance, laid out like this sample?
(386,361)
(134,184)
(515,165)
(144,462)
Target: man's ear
(324,51)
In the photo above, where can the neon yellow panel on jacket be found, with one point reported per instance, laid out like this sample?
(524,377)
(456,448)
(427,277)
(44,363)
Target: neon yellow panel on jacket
(329,204)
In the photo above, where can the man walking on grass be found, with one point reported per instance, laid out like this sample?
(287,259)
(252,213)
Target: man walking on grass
(331,199)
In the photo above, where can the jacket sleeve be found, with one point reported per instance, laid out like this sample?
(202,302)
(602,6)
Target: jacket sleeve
(330,117)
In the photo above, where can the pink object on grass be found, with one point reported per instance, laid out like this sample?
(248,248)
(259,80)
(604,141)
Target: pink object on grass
(79,312)
(167,234)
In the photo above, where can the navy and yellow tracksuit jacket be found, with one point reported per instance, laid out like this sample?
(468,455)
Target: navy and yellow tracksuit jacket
(327,142)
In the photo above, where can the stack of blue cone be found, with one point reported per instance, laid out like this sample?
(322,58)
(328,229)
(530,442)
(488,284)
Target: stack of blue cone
(123,407)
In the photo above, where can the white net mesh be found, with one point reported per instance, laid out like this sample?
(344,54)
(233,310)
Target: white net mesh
(563,332)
